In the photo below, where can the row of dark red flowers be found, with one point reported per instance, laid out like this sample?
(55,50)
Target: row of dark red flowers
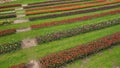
(56,60)
(73,12)
(74,20)
(8,47)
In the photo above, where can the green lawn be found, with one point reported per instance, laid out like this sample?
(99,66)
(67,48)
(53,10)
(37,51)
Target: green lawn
(104,59)
(26,54)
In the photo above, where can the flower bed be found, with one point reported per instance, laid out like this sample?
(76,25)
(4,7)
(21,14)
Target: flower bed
(56,60)
(8,9)
(68,8)
(73,12)
(7,32)
(12,5)
(76,31)
(64,57)
(59,6)
(49,4)
(12,15)
(74,20)
(5,48)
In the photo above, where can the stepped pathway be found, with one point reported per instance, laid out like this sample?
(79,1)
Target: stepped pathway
(20,15)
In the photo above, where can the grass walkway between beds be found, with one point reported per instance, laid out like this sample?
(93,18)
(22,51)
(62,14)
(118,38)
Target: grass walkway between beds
(104,59)
(41,50)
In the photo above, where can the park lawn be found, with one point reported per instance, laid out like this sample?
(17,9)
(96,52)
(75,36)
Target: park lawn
(44,49)
(43,31)
(105,59)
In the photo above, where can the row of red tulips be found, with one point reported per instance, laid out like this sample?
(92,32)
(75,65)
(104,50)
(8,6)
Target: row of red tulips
(8,47)
(74,20)
(68,8)
(56,60)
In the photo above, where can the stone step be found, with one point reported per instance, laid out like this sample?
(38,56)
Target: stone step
(23,5)
(23,30)
(20,21)
(20,16)
(26,43)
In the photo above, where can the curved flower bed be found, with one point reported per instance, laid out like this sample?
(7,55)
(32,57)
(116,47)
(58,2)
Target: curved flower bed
(73,12)
(56,60)
(63,34)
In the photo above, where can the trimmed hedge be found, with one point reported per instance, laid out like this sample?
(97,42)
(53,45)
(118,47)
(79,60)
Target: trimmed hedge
(56,60)
(74,20)
(73,12)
